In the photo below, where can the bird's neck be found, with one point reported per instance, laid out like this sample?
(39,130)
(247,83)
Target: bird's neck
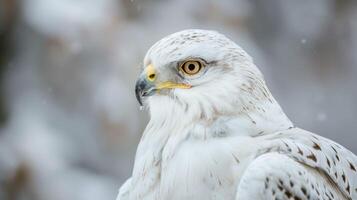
(252,117)
(259,118)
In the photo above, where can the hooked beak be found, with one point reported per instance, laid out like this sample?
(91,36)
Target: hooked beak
(143,88)
(146,84)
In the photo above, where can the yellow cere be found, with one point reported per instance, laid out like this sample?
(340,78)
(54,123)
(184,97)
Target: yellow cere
(150,73)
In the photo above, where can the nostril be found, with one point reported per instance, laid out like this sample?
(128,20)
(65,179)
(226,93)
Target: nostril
(152,77)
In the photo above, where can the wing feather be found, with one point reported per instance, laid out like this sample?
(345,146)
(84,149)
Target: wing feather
(327,157)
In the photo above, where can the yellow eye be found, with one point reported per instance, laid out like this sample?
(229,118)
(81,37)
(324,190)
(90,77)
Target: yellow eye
(191,67)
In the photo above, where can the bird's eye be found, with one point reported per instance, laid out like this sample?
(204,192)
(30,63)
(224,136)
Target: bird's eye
(191,67)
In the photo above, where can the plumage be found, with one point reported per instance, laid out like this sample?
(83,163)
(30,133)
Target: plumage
(216,132)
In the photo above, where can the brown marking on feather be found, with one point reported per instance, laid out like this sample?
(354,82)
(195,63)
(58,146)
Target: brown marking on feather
(315,137)
(266,182)
(287,146)
(235,158)
(348,188)
(291,184)
(281,182)
(312,157)
(333,196)
(338,158)
(352,166)
(300,151)
(317,191)
(328,162)
(316,146)
(280,188)
(288,194)
(334,149)
(343,177)
(304,190)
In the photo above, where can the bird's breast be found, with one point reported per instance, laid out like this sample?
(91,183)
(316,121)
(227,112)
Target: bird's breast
(200,169)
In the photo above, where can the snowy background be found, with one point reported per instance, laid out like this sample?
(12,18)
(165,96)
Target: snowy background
(69,120)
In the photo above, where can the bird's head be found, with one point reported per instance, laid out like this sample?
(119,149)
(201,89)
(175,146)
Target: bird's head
(199,72)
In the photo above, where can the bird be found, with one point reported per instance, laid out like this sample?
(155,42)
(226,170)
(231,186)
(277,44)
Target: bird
(216,132)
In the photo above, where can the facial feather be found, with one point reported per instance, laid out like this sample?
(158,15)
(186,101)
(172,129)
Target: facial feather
(230,84)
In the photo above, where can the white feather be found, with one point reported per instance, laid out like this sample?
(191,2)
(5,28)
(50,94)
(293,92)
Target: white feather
(200,142)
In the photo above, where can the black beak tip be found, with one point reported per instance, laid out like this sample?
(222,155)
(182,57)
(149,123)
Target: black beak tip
(138,95)
(143,89)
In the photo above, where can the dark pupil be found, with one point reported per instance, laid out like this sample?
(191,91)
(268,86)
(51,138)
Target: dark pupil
(191,67)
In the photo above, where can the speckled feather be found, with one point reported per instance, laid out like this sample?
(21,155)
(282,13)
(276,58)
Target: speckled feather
(227,137)
(336,163)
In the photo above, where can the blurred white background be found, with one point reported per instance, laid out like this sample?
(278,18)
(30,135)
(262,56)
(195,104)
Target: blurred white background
(69,119)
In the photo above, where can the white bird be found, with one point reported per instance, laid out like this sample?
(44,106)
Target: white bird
(216,132)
